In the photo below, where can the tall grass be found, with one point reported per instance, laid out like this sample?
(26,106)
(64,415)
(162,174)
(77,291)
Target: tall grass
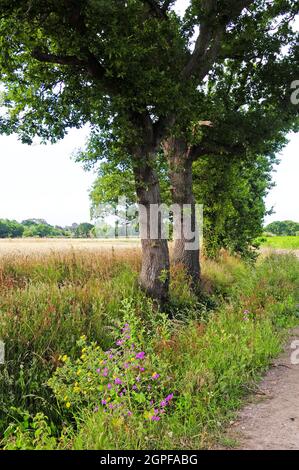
(210,349)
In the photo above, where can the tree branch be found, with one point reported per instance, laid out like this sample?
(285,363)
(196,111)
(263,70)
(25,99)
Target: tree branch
(42,56)
(208,42)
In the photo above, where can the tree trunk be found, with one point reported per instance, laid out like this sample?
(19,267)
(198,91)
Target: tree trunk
(154,277)
(180,168)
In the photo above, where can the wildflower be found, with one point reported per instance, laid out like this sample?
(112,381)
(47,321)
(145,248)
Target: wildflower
(83,356)
(155,418)
(169,397)
(117,381)
(83,337)
(68,405)
(98,371)
(155,376)
(109,386)
(105,372)
(245,315)
(130,413)
(140,355)
(134,387)
(64,358)
(126,365)
(104,402)
(119,342)
(78,371)
(142,369)
(96,408)
(126,328)
(163,403)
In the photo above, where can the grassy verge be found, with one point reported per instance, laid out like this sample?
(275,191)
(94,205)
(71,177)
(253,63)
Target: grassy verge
(164,383)
(287,243)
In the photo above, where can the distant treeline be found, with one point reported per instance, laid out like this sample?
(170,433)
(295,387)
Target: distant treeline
(40,228)
(283,228)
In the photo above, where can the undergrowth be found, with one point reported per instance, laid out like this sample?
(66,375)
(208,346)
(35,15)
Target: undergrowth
(91,363)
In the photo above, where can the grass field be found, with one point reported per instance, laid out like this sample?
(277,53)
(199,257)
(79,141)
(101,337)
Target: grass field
(287,243)
(166,382)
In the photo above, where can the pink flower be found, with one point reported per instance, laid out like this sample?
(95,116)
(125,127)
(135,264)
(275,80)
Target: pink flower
(117,381)
(155,418)
(169,397)
(155,376)
(140,355)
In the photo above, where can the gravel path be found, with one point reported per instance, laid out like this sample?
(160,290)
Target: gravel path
(271,419)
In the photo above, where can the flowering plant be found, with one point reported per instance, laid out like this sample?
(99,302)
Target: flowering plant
(123,381)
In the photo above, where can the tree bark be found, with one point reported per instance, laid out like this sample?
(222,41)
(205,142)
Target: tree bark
(180,172)
(154,276)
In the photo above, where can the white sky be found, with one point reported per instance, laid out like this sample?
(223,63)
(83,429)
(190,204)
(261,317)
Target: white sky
(43,182)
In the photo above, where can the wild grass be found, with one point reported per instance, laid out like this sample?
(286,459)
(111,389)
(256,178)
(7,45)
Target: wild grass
(211,350)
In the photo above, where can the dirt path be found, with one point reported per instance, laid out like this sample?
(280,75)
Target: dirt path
(271,419)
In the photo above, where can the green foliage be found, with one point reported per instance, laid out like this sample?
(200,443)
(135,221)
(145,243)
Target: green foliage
(10,229)
(286,227)
(39,228)
(84,230)
(232,192)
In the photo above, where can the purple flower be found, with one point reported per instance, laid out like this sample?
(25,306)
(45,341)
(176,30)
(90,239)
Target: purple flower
(134,387)
(155,376)
(130,413)
(104,402)
(109,386)
(119,342)
(163,403)
(111,406)
(155,418)
(117,381)
(126,365)
(140,355)
(105,372)
(169,397)
(96,409)
(142,369)
(98,371)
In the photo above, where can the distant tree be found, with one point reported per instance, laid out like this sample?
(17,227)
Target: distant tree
(29,222)
(10,229)
(284,228)
(84,230)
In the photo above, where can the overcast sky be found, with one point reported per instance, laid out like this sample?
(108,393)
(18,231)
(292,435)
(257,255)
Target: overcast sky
(43,182)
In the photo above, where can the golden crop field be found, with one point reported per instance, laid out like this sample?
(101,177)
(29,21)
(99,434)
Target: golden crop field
(37,246)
